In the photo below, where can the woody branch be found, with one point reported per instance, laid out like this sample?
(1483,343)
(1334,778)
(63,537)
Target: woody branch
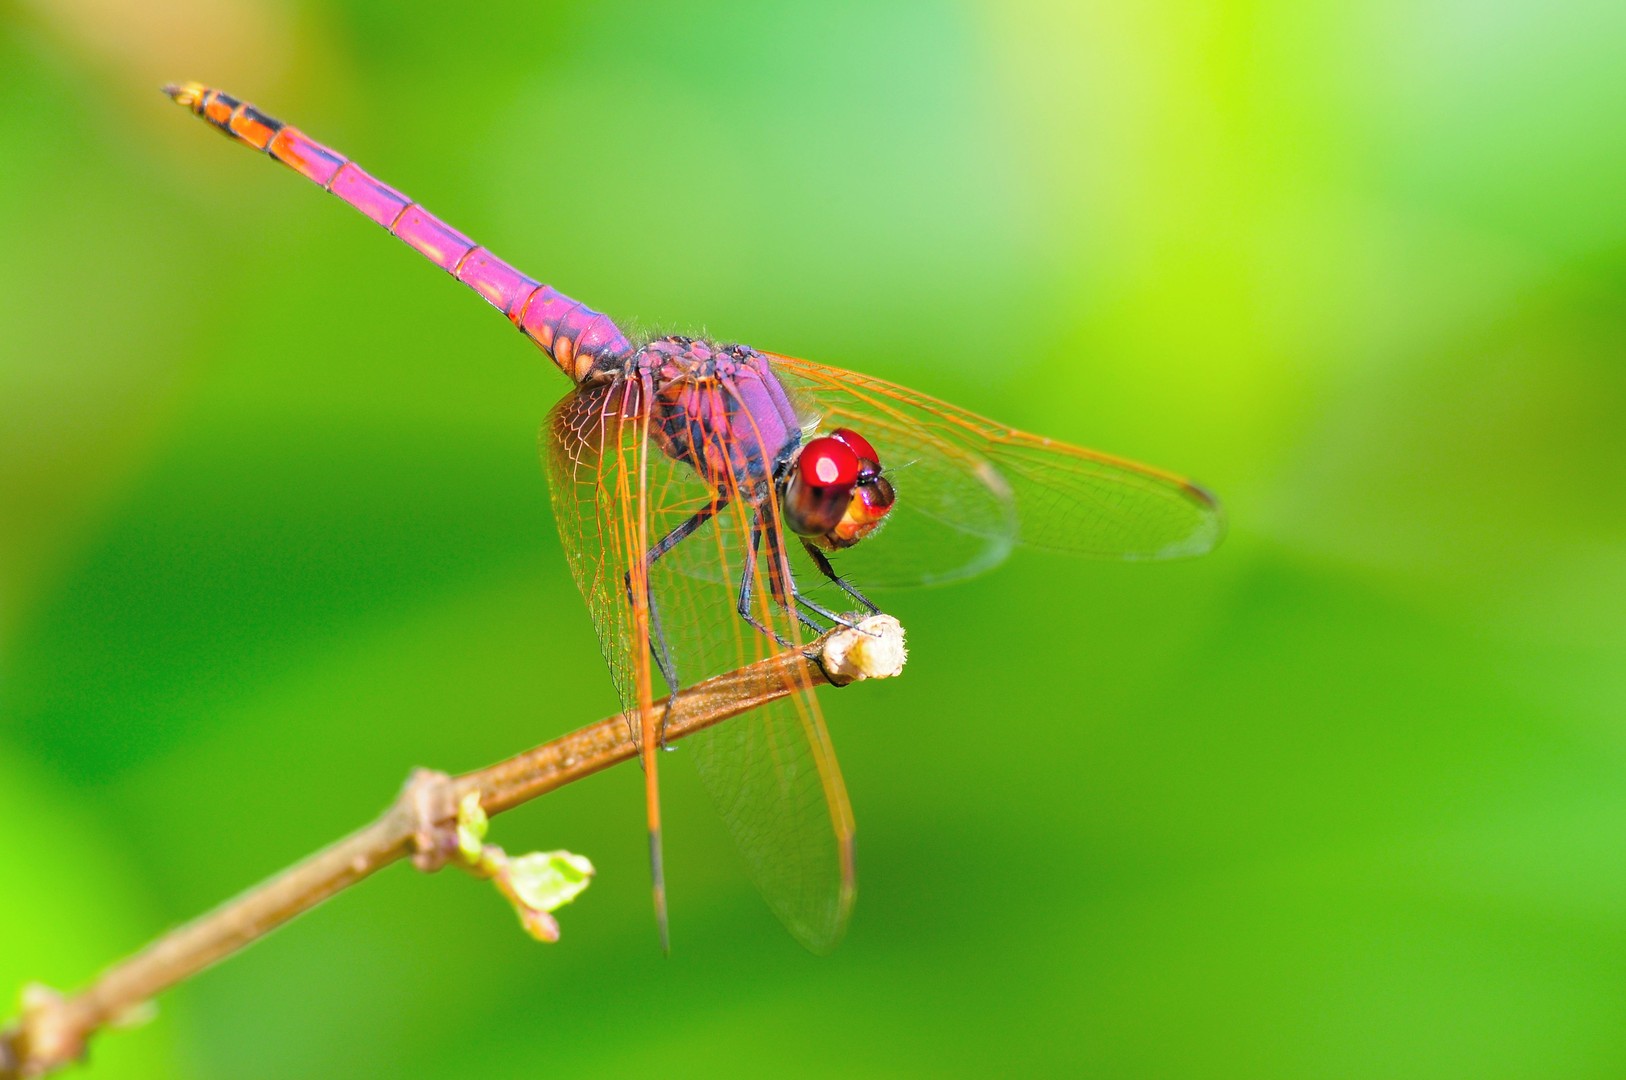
(421,823)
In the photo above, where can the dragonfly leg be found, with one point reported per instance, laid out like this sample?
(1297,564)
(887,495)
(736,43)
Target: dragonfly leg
(817,608)
(658,648)
(820,610)
(748,582)
(841,583)
(784,585)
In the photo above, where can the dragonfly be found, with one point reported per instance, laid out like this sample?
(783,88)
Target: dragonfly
(705,492)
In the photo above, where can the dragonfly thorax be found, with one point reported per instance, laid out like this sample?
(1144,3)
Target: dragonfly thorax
(723,410)
(720,409)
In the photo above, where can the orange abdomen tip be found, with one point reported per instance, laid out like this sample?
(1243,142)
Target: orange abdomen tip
(187,93)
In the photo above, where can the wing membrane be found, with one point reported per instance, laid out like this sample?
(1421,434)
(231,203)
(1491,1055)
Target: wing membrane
(592,445)
(978,487)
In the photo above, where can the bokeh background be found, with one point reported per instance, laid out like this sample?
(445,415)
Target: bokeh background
(1347,799)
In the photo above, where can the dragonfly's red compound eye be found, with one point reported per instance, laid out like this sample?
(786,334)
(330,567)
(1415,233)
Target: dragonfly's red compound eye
(828,463)
(820,487)
(858,444)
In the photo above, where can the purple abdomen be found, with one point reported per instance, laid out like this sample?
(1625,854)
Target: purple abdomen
(577,338)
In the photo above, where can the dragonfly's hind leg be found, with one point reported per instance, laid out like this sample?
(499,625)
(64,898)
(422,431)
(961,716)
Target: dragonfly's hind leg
(748,583)
(658,648)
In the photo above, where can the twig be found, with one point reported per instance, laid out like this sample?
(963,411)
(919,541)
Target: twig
(53,1029)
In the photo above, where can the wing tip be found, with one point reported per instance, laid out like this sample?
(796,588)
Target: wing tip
(1212,525)
(821,931)
(1201,494)
(658,889)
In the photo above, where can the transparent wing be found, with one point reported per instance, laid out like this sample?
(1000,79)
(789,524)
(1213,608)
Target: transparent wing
(772,773)
(969,489)
(594,446)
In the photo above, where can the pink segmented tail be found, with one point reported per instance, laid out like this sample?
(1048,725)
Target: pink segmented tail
(573,335)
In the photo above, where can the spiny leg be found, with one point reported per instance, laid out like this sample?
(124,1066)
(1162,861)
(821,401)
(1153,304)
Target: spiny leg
(823,563)
(778,574)
(783,583)
(789,595)
(820,610)
(658,648)
(783,580)
(748,581)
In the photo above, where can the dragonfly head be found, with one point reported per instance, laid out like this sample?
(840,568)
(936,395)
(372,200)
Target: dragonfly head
(836,495)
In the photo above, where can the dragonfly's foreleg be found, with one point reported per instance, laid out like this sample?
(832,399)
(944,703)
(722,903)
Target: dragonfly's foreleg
(658,648)
(790,595)
(819,609)
(823,563)
(782,583)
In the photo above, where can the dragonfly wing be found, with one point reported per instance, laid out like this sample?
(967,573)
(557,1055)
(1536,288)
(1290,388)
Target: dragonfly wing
(596,448)
(986,486)
(772,772)
(774,779)
(592,444)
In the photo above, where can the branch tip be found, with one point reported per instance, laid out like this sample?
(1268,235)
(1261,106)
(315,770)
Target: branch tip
(873,649)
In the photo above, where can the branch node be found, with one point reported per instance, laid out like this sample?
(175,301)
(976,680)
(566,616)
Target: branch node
(430,800)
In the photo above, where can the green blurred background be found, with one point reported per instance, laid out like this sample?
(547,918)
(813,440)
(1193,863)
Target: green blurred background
(1346,799)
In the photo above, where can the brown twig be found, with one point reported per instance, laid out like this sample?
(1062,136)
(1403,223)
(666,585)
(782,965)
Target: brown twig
(54,1029)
